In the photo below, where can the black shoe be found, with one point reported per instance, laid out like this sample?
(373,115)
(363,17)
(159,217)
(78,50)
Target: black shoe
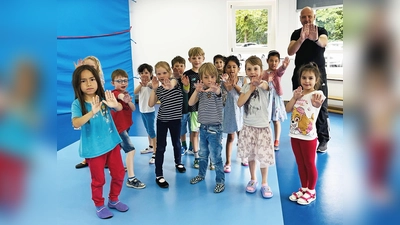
(181,168)
(162,182)
(322,147)
(81,165)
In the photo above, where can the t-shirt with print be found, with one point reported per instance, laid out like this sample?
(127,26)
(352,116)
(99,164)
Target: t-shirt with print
(122,118)
(193,78)
(210,108)
(171,103)
(100,135)
(185,101)
(304,117)
(256,112)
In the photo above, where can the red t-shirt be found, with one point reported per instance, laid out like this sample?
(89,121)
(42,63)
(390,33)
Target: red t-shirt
(123,118)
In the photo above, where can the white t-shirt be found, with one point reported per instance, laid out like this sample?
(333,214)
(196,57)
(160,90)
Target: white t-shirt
(144,95)
(303,119)
(255,113)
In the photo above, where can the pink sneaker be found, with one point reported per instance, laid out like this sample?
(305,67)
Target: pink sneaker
(227,168)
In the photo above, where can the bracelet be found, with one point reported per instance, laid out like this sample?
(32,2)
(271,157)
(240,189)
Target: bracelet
(317,40)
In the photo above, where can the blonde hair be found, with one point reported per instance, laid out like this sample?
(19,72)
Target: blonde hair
(164,65)
(195,51)
(253,60)
(98,67)
(209,69)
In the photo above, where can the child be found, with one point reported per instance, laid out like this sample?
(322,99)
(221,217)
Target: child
(178,66)
(196,58)
(95,63)
(208,94)
(123,122)
(273,76)
(255,140)
(148,113)
(305,105)
(99,142)
(233,114)
(168,118)
(219,63)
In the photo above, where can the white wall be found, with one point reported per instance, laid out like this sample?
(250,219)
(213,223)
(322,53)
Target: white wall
(164,29)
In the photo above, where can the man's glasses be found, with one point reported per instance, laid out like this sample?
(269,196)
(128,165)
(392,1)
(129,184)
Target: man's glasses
(121,81)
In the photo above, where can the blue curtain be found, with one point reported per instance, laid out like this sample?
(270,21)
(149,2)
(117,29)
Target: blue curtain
(91,27)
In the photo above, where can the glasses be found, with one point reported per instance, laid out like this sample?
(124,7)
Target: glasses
(121,81)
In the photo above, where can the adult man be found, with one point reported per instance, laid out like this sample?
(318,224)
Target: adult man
(309,44)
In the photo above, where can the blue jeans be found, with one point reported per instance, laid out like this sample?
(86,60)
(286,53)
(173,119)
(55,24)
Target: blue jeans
(174,127)
(211,145)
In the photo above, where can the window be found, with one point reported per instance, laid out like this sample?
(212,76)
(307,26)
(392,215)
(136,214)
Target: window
(251,30)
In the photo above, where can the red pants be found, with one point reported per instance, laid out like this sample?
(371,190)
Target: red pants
(96,165)
(304,152)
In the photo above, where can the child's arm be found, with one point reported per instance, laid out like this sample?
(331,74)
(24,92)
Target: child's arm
(128,100)
(296,95)
(195,96)
(137,89)
(245,96)
(153,97)
(264,85)
(186,83)
(281,70)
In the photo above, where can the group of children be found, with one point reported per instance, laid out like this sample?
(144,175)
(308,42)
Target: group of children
(207,100)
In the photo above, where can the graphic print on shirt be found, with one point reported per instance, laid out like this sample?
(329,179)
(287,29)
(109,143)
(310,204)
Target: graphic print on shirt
(300,123)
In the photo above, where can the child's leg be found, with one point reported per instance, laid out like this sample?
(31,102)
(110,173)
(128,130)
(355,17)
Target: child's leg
(204,151)
(215,148)
(117,172)
(129,149)
(252,169)
(264,175)
(277,130)
(309,153)
(162,130)
(96,167)
(174,127)
(301,167)
(228,147)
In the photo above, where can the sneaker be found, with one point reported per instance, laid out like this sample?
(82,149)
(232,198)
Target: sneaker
(322,147)
(212,167)
(276,145)
(307,198)
(219,188)
(196,179)
(147,150)
(190,152)
(135,183)
(196,164)
(152,159)
(183,150)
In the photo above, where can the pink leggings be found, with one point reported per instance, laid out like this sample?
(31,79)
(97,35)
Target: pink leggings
(304,152)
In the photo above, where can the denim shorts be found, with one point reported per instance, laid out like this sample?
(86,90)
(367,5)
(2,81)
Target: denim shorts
(126,143)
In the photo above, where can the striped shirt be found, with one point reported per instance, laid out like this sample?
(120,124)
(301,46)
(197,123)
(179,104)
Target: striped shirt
(171,103)
(210,108)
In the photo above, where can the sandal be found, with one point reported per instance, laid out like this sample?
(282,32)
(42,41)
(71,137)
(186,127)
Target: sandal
(227,168)
(307,198)
(251,186)
(81,165)
(181,168)
(296,195)
(162,182)
(266,192)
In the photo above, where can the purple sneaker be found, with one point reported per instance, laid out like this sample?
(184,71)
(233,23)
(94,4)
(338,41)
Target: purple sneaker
(103,213)
(118,206)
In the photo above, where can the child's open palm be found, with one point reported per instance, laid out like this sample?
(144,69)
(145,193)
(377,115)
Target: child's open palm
(199,86)
(298,93)
(96,104)
(213,87)
(154,82)
(110,100)
(127,98)
(185,80)
(317,99)
(78,63)
(167,84)
(285,62)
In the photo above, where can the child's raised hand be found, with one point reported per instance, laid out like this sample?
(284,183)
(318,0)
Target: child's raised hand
(199,86)
(96,104)
(154,82)
(78,63)
(167,84)
(285,62)
(185,80)
(110,100)
(127,98)
(256,81)
(317,99)
(213,87)
(298,93)
(224,77)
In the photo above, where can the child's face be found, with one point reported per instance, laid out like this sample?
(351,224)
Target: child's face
(308,80)
(196,61)
(273,62)
(232,69)
(178,69)
(120,83)
(219,63)
(88,83)
(145,76)
(162,74)
(209,79)
(90,62)
(253,70)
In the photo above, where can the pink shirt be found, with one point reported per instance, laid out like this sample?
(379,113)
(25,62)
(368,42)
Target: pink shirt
(276,78)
